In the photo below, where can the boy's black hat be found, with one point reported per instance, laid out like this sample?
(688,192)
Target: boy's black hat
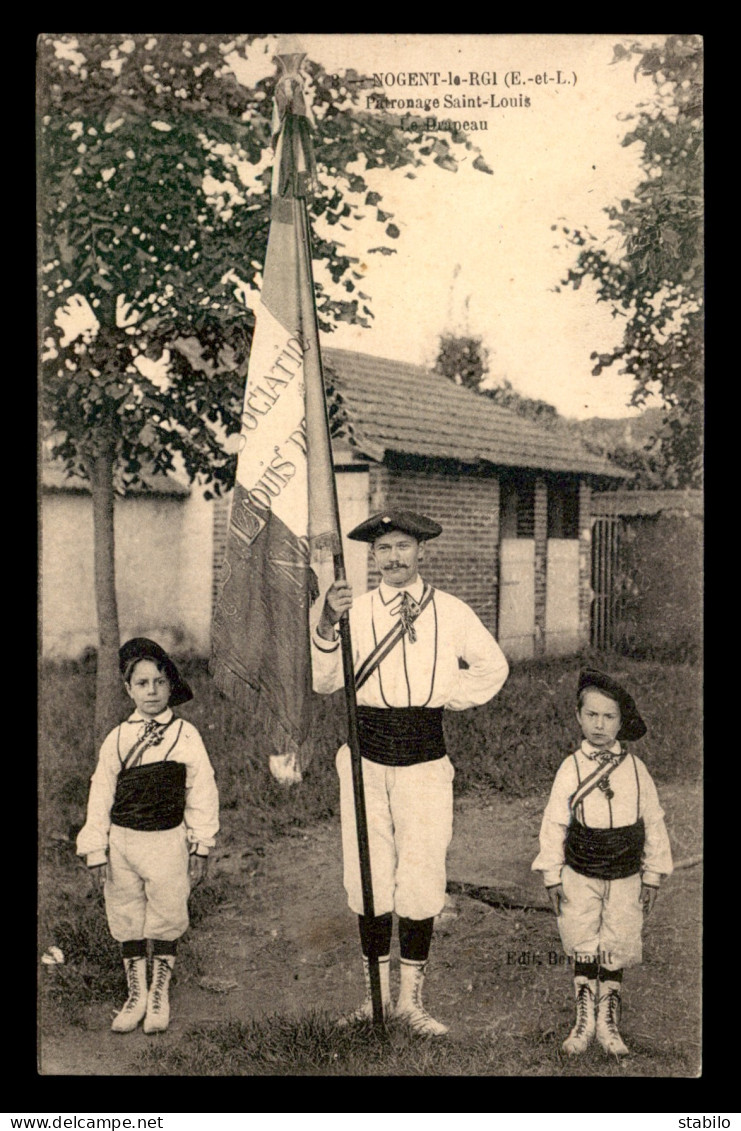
(141,648)
(632,726)
(408,522)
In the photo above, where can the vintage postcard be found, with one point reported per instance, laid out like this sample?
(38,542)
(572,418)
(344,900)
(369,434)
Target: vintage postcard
(483,254)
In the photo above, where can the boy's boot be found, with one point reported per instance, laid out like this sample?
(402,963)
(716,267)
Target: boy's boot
(158,999)
(585,990)
(364,1012)
(608,1016)
(136,1004)
(409,1007)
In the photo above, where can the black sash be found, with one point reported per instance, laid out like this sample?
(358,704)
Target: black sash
(150,798)
(605,854)
(401,736)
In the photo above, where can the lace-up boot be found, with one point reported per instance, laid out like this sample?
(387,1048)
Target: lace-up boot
(409,1008)
(158,999)
(364,1012)
(608,1017)
(136,1004)
(585,991)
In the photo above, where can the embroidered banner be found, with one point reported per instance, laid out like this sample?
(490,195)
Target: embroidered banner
(282,512)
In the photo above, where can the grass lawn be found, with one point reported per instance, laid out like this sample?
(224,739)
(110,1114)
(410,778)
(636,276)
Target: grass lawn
(247,918)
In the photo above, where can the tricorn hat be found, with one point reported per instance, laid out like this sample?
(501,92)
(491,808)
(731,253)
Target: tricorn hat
(141,648)
(408,522)
(632,726)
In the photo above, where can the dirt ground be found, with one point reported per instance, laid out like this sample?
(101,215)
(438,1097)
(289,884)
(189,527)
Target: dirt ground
(285,942)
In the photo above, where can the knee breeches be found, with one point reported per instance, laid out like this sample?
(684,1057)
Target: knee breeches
(601,920)
(409,811)
(146,893)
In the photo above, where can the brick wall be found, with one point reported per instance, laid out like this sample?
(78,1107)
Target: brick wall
(464,559)
(585,561)
(540,516)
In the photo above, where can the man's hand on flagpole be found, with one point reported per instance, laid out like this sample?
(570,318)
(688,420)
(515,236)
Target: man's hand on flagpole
(337,601)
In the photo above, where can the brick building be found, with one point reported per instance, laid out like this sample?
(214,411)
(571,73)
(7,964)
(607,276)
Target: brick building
(513,498)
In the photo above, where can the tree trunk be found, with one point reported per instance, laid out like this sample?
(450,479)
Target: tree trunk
(107,684)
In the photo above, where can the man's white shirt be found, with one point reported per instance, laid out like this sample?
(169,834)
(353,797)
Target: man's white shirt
(423,673)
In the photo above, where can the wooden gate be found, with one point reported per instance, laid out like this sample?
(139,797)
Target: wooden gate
(605,556)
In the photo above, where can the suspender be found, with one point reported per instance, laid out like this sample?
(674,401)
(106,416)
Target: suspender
(135,754)
(387,644)
(638,788)
(595,778)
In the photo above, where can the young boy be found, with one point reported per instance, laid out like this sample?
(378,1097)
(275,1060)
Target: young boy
(603,851)
(153,814)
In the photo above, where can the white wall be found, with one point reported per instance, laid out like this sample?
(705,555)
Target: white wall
(516,633)
(163,571)
(164,564)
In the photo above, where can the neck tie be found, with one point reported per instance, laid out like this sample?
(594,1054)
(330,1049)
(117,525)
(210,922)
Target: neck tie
(409,611)
(606,757)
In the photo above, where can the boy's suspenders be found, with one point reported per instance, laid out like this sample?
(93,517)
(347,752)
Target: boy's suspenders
(151,737)
(638,787)
(597,776)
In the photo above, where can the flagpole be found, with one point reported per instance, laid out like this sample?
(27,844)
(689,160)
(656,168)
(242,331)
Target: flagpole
(361,821)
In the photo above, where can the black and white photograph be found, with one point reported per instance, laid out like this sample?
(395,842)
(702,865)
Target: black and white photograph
(371,396)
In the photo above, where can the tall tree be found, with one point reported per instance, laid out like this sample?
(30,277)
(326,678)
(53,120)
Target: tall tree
(463,359)
(154,171)
(654,280)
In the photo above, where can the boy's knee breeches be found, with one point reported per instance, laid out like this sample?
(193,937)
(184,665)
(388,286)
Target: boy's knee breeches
(601,920)
(146,893)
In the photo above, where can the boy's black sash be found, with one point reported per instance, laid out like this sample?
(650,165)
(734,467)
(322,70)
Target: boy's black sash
(389,642)
(150,798)
(605,854)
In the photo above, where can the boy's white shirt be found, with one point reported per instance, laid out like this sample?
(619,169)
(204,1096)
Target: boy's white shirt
(625,805)
(184,745)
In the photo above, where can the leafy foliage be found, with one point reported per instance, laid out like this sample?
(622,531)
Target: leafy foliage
(154,176)
(532,408)
(655,279)
(462,359)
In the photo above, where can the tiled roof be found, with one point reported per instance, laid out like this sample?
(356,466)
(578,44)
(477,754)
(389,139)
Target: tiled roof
(394,407)
(632,503)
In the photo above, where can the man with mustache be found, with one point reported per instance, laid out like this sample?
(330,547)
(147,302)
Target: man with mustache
(417,652)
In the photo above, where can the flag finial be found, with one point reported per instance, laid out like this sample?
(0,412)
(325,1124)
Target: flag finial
(290,53)
(294,169)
